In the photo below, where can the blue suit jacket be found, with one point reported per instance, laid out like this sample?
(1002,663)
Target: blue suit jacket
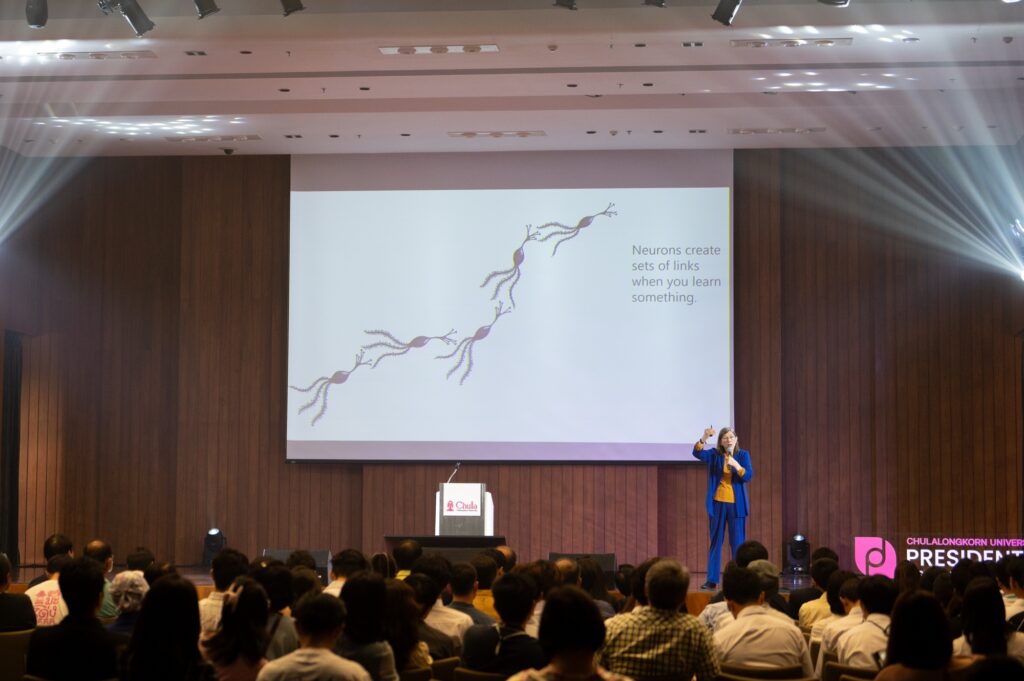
(715,463)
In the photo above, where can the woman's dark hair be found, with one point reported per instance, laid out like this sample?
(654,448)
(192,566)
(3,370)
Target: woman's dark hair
(919,633)
(592,579)
(984,617)
(622,578)
(570,622)
(243,625)
(721,434)
(942,587)
(364,596)
(163,644)
(384,565)
(157,571)
(835,587)
(300,558)
(304,581)
(929,576)
(276,580)
(908,577)
(401,617)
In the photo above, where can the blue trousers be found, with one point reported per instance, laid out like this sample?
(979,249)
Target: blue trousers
(723,515)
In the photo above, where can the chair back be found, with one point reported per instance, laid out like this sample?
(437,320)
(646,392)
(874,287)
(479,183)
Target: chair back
(419,674)
(463,674)
(13,646)
(833,671)
(815,649)
(734,677)
(444,669)
(829,657)
(749,672)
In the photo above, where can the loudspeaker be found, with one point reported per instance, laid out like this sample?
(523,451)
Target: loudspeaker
(321,556)
(796,556)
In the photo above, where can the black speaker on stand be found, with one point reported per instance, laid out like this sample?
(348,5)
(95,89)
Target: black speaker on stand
(796,556)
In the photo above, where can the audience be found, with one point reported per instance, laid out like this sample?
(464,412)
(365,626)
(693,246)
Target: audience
(401,620)
(798,597)
(759,636)
(139,559)
(451,622)
(127,590)
(817,609)
(405,554)
(832,631)
(836,604)
(660,641)
(344,564)
(158,570)
(638,598)
(16,611)
(908,577)
(464,590)
(863,645)
(320,621)
(919,647)
(592,582)
(101,552)
(227,566)
(55,545)
(78,648)
(506,648)
(305,581)
(570,571)
(439,644)
(995,668)
(716,614)
(546,576)
(363,640)
(276,579)
(236,648)
(1015,598)
(985,629)
(510,557)
(487,570)
(300,558)
(46,596)
(383,565)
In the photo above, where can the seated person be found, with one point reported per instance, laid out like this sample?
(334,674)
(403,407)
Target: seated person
(228,565)
(818,609)
(863,645)
(46,596)
(464,590)
(835,603)
(55,545)
(986,631)
(833,630)
(127,589)
(506,648)
(16,611)
(439,644)
(919,647)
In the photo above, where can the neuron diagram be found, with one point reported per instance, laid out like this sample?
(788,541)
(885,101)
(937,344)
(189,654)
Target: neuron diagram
(386,345)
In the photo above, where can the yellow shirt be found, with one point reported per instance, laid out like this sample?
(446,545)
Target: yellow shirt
(724,492)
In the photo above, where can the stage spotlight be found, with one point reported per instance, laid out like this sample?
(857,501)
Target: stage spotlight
(726,11)
(132,13)
(36,13)
(568,4)
(205,8)
(797,554)
(835,3)
(654,3)
(213,543)
(290,6)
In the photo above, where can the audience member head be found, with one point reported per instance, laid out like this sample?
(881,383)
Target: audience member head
(623,579)
(665,584)
(300,558)
(592,579)
(749,551)
(486,569)
(276,580)
(984,617)
(243,625)
(5,573)
(406,552)
(928,578)
(499,561)
(849,592)
(510,557)
(157,571)
(57,544)
(961,575)
(163,644)
(227,566)
(1002,570)
(821,570)
(81,586)
(908,577)
(425,591)
(383,565)
(464,582)
(570,623)
(768,573)
(570,571)
(140,559)
(401,612)
(262,563)
(515,594)
(319,620)
(305,581)
(638,580)
(435,566)
(877,595)
(100,552)
(127,590)
(919,633)
(1015,575)
(364,598)
(832,592)
(347,562)
(741,588)
(995,668)
(943,588)
(56,564)
(544,574)
(824,552)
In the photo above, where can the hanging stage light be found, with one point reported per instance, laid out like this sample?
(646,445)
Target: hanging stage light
(36,13)
(132,13)
(290,6)
(205,8)
(835,3)
(567,4)
(726,11)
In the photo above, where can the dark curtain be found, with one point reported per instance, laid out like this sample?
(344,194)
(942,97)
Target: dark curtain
(10,431)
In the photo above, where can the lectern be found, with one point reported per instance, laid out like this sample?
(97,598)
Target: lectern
(463,509)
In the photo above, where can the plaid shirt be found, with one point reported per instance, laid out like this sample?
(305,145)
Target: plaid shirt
(659,643)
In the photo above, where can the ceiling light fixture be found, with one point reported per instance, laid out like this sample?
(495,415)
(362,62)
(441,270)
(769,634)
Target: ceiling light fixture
(726,11)
(654,3)
(205,8)
(291,6)
(835,3)
(36,13)
(132,13)
(568,4)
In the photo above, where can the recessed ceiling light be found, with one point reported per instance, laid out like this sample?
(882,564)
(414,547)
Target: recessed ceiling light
(658,132)
(406,134)
(283,89)
(245,52)
(785,30)
(648,84)
(571,85)
(591,132)
(857,28)
(639,44)
(334,136)
(364,89)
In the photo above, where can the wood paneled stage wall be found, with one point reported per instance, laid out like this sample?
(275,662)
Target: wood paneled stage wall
(878,383)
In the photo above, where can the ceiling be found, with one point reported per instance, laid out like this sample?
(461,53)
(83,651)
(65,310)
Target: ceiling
(612,75)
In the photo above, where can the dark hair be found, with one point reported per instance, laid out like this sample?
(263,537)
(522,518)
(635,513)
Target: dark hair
(821,570)
(99,551)
(140,559)
(514,596)
(363,594)
(908,577)
(569,569)
(1003,571)
(943,588)
(741,585)
(499,560)
(300,558)
(638,578)
(56,544)
(570,622)
(5,570)
(276,580)
(383,565)
(319,614)
(463,579)
(401,617)
(623,581)
(995,668)
(592,579)
(81,584)
(543,573)
(824,552)
(749,551)
(227,566)
(163,644)
(347,562)
(832,593)
(1015,571)
(850,588)
(305,581)
(919,633)
(961,575)
(406,552)
(511,559)
(57,563)
(666,584)
(928,578)
(486,569)
(158,571)
(263,562)
(425,590)
(984,617)
(877,594)
(435,566)
(243,625)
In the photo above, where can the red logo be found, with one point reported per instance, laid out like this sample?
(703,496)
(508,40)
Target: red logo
(451,505)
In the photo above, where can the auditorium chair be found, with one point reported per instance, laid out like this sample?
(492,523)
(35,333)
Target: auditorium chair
(815,649)
(833,671)
(13,646)
(750,672)
(444,669)
(734,677)
(828,657)
(419,674)
(463,674)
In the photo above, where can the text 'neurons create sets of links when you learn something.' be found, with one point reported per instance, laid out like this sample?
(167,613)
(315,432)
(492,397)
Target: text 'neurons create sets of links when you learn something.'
(388,345)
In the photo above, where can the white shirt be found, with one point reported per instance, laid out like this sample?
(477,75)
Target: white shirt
(759,638)
(857,647)
(715,616)
(48,603)
(820,625)
(334,588)
(532,625)
(1014,646)
(449,620)
(1014,607)
(832,631)
(210,610)
(317,664)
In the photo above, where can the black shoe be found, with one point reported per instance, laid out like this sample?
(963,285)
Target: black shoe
(709,586)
